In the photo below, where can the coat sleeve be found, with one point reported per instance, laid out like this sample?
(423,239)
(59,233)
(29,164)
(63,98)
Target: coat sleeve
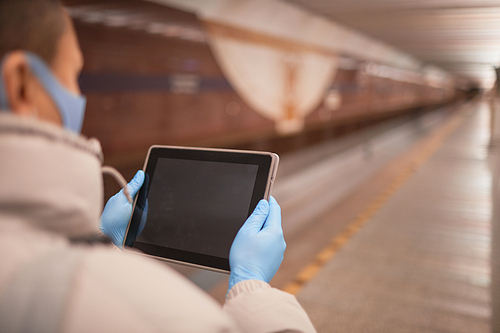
(256,308)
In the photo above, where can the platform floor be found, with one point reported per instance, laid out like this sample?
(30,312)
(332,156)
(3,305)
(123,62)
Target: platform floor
(421,263)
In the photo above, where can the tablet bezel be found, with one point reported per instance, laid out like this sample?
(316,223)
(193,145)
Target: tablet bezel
(266,173)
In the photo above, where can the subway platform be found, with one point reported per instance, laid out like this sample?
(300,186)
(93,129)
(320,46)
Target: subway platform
(417,258)
(390,229)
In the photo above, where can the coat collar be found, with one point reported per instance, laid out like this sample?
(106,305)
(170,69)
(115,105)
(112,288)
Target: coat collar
(49,178)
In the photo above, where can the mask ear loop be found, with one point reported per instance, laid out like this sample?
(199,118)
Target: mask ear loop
(119,179)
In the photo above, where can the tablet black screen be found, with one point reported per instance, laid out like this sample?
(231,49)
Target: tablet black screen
(197,201)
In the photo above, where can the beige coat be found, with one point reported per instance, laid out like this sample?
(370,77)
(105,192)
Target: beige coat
(51,189)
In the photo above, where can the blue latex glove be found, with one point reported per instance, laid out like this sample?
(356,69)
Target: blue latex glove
(118,210)
(259,246)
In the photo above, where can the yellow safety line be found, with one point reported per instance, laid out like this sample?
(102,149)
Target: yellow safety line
(310,271)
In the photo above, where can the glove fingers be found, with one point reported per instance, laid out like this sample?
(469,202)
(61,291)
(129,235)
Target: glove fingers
(258,217)
(136,183)
(274,218)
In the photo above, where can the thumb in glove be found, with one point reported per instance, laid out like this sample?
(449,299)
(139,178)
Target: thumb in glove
(118,210)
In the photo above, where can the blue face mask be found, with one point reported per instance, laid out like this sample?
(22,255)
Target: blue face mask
(71,107)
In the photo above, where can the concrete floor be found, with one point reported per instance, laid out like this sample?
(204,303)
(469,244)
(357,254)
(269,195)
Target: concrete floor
(422,263)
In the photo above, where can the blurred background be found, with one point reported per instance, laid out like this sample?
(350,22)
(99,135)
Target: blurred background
(355,96)
(276,76)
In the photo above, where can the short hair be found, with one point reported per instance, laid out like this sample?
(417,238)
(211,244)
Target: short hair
(31,25)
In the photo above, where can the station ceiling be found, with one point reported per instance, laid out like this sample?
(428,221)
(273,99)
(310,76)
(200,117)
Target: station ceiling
(460,36)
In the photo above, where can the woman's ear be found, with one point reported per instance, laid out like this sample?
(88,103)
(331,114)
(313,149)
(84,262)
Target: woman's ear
(17,77)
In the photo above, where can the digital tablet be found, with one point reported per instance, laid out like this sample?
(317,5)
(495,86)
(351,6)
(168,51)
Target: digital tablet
(194,201)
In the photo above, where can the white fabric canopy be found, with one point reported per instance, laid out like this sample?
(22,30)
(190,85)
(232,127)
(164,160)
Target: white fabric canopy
(282,84)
